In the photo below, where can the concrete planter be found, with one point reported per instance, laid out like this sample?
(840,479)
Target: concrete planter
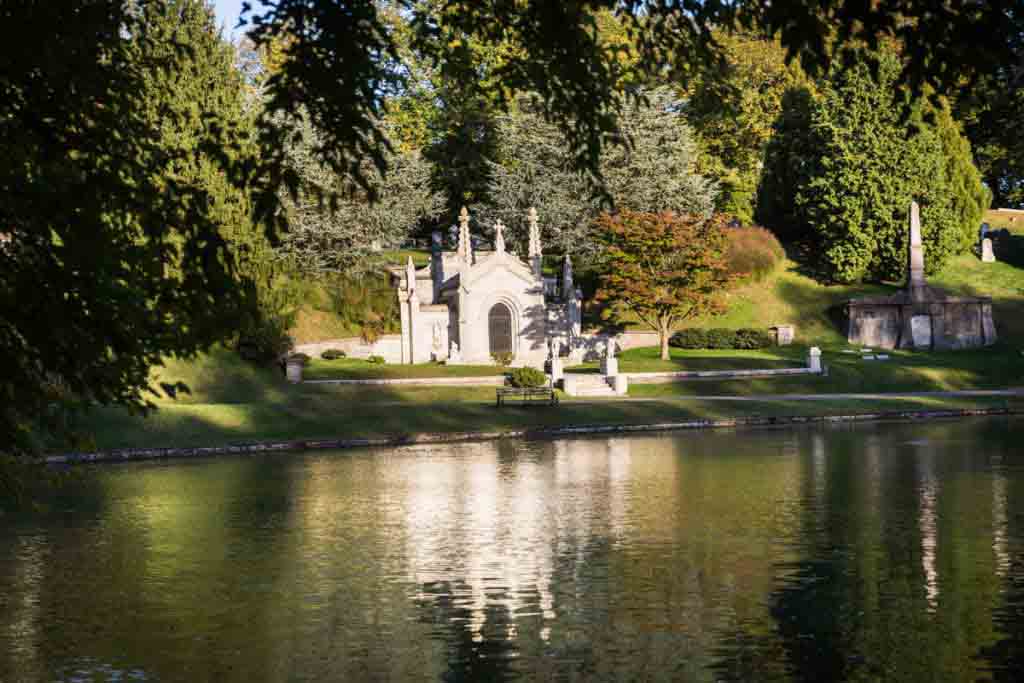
(293,369)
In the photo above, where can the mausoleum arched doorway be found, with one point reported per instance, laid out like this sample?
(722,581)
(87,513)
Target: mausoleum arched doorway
(499,328)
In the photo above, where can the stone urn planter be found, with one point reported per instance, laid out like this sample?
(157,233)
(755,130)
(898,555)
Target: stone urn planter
(293,365)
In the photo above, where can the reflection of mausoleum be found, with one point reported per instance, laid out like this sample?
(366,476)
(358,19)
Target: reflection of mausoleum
(474,306)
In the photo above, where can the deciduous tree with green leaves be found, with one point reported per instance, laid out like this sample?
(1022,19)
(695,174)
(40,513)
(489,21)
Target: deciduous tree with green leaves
(663,268)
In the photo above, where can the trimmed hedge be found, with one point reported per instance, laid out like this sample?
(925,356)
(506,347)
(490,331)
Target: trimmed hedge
(376,360)
(527,377)
(720,338)
(333,354)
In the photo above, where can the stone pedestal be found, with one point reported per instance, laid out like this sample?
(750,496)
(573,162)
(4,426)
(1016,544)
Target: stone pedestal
(621,385)
(814,359)
(293,370)
(987,255)
(569,384)
(557,369)
(609,366)
(784,334)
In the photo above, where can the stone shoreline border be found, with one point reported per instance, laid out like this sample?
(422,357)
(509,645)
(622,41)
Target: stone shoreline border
(134,454)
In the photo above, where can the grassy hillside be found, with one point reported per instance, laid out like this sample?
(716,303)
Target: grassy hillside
(792,296)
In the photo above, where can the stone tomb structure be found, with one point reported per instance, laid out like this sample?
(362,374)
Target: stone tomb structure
(473,306)
(921,316)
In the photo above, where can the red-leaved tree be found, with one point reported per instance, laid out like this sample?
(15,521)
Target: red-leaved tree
(663,268)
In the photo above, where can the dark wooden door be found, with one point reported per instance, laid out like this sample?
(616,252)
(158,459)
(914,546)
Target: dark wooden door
(499,324)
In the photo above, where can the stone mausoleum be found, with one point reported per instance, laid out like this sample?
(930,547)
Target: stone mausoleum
(475,306)
(920,316)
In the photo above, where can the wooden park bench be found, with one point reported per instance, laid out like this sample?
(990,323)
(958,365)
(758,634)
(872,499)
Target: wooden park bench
(528,396)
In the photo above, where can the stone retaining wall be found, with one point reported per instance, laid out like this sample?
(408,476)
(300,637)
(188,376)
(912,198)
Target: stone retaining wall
(665,377)
(548,433)
(488,381)
(389,346)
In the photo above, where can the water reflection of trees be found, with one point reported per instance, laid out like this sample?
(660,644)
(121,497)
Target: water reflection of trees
(899,568)
(875,553)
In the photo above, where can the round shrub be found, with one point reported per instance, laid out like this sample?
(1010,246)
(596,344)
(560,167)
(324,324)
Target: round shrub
(376,360)
(752,253)
(748,338)
(527,377)
(690,338)
(720,338)
(333,354)
(504,358)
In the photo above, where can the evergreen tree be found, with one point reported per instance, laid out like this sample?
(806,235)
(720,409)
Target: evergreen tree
(651,167)
(853,171)
(120,174)
(333,224)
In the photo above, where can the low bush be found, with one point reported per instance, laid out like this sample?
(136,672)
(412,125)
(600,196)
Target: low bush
(690,338)
(747,338)
(502,358)
(527,377)
(333,354)
(376,360)
(299,358)
(752,253)
(719,338)
(265,339)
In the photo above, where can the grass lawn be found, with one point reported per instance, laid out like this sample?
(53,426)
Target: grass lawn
(993,368)
(232,401)
(346,368)
(648,359)
(354,412)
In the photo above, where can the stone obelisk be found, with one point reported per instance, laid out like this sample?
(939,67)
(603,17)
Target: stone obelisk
(915,256)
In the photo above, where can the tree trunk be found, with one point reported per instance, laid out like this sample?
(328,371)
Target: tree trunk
(664,332)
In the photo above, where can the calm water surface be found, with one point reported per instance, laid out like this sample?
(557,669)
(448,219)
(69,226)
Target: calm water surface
(881,552)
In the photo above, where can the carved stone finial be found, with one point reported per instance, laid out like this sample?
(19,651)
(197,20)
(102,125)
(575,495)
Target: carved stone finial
(499,237)
(535,249)
(410,275)
(465,241)
(568,289)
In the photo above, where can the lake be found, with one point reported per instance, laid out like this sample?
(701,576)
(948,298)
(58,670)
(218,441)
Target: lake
(868,552)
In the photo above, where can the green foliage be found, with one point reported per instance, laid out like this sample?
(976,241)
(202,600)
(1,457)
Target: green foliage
(662,268)
(121,145)
(376,360)
(333,354)
(335,223)
(733,107)
(366,303)
(527,377)
(752,253)
(504,358)
(721,338)
(650,168)
(344,55)
(854,170)
(264,339)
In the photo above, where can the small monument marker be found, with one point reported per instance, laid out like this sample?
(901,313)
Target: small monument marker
(987,254)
